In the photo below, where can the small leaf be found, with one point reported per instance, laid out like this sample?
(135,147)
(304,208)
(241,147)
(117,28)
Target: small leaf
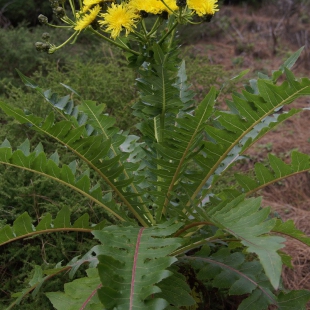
(63,218)
(289,63)
(22,225)
(294,300)
(288,229)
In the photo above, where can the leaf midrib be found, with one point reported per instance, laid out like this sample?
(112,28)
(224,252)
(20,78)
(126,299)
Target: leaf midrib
(235,143)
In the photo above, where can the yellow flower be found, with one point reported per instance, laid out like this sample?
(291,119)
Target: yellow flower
(149,6)
(91,2)
(87,19)
(153,6)
(119,16)
(87,4)
(172,4)
(203,7)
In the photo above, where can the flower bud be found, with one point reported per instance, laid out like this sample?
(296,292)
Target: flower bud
(54,3)
(45,36)
(42,47)
(181,3)
(60,12)
(38,46)
(45,47)
(43,19)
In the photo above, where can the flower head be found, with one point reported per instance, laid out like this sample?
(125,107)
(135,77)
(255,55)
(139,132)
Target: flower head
(153,6)
(87,19)
(172,5)
(87,4)
(203,7)
(149,6)
(119,16)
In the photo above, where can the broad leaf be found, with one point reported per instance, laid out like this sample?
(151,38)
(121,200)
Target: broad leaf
(248,222)
(132,261)
(79,294)
(231,271)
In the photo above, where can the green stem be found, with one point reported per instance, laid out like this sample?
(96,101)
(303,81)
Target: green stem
(52,50)
(163,112)
(162,116)
(166,5)
(196,244)
(123,47)
(72,7)
(178,233)
(171,30)
(144,27)
(155,27)
(55,26)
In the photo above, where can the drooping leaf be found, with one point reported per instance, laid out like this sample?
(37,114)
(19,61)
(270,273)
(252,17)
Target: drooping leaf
(231,271)
(248,222)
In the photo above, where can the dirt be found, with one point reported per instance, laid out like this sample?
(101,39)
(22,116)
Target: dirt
(242,37)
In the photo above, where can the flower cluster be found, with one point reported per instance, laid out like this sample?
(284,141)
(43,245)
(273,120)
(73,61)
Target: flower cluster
(127,14)
(123,17)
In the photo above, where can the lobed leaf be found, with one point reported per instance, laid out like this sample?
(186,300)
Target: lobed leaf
(37,162)
(132,261)
(263,176)
(23,226)
(248,222)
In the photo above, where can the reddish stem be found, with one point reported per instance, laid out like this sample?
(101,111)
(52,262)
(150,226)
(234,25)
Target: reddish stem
(178,233)
(134,267)
(90,296)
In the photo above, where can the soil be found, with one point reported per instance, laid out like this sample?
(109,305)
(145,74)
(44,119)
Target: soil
(242,37)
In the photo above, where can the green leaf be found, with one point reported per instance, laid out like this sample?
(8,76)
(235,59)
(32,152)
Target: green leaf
(131,261)
(62,219)
(175,290)
(246,221)
(79,294)
(37,162)
(23,227)
(255,302)
(252,114)
(289,63)
(288,229)
(94,151)
(179,148)
(263,176)
(226,270)
(294,300)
